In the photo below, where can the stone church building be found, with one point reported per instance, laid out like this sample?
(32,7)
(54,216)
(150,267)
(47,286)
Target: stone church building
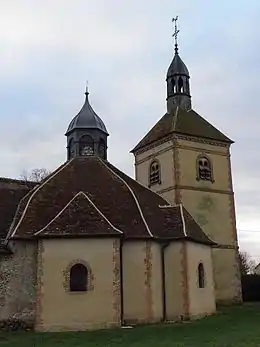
(89,247)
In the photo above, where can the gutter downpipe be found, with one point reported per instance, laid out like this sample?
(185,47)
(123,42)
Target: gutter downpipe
(164,313)
(121,282)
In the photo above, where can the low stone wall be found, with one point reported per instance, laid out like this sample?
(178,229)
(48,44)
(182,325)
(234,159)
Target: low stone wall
(18,283)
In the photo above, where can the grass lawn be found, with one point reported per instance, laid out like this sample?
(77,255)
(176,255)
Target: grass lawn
(237,326)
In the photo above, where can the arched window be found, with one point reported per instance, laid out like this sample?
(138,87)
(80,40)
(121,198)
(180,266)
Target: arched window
(78,278)
(187,86)
(204,169)
(201,276)
(86,146)
(173,85)
(155,173)
(102,149)
(71,149)
(180,85)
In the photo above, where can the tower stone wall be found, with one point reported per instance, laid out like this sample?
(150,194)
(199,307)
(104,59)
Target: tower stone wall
(211,203)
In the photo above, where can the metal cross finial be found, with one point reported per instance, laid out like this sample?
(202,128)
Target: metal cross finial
(87,88)
(176,32)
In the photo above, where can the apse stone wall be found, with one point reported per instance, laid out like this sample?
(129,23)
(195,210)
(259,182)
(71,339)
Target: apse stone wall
(97,308)
(17,282)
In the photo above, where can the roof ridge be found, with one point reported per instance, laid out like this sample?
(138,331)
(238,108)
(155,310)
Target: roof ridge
(183,221)
(212,126)
(175,118)
(209,237)
(67,205)
(143,186)
(133,195)
(166,206)
(17,210)
(16,213)
(33,194)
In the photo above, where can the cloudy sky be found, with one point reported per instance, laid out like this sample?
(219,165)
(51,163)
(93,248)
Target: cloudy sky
(49,48)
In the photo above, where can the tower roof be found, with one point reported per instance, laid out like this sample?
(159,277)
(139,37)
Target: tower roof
(183,122)
(177,66)
(86,119)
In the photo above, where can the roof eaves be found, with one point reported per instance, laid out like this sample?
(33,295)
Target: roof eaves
(202,242)
(153,142)
(75,236)
(14,180)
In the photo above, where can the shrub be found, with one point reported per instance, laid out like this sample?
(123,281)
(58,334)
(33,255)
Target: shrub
(250,287)
(13,324)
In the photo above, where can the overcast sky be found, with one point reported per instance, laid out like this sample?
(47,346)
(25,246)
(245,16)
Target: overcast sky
(49,48)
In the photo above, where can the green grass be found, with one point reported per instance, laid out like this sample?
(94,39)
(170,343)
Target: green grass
(237,326)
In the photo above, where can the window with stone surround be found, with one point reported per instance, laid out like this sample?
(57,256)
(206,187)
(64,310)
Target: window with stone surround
(204,168)
(78,278)
(154,173)
(201,276)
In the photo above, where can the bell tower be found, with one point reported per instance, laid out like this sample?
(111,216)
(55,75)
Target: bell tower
(86,133)
(177,79)
(185,159)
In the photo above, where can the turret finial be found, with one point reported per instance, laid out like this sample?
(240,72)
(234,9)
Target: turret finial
(87,92)
(175,34)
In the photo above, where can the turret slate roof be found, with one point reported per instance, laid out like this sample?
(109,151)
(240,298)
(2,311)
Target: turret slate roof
(86,119)
(177,66)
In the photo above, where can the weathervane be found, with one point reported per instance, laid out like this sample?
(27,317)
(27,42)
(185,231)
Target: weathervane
(175,34)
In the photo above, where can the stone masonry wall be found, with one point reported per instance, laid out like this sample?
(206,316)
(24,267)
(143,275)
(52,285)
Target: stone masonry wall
(18,282)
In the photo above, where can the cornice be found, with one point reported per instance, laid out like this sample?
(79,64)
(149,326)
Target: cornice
(182,137)
(204,189)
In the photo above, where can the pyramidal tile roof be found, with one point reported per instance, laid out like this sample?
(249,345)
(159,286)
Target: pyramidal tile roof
(182,122)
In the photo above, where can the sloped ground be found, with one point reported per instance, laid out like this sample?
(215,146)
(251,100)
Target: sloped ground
(236,326)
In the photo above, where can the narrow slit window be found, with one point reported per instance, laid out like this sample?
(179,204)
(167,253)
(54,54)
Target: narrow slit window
(173,86)
(201,276)
(180,85)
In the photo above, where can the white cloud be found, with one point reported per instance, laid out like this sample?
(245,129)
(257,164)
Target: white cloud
(49,49)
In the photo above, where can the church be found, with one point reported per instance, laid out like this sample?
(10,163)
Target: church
(89,247)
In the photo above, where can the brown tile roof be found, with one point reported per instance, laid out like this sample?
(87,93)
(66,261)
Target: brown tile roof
(88,196)
(182,122)
(91,223)
(193,230)
(11,192)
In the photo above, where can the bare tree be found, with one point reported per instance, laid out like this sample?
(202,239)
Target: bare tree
(35,175)
(247,264)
